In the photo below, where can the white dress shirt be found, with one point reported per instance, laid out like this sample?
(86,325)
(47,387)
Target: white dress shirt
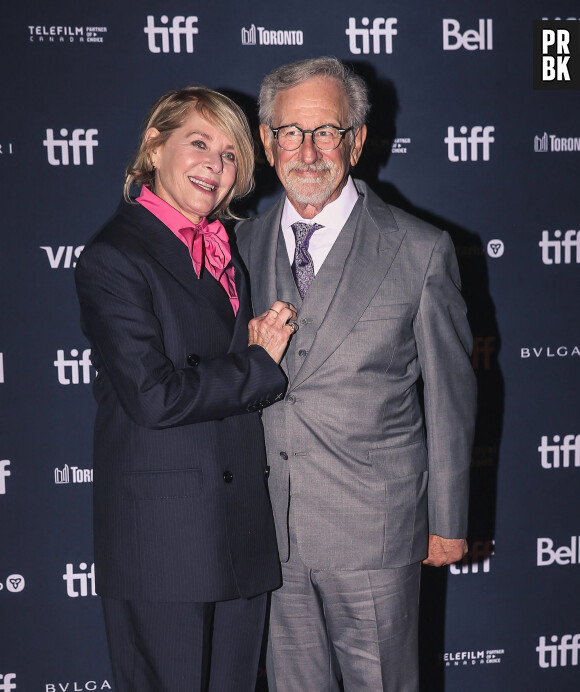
(332,218)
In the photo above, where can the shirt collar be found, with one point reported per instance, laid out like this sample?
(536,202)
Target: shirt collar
(173,219)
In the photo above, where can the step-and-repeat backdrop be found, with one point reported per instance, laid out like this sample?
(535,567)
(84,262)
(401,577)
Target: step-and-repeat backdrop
(459,136)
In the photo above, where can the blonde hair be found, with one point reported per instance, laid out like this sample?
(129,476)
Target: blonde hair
(170,112)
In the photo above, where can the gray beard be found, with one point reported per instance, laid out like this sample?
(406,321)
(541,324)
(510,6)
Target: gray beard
(312,192)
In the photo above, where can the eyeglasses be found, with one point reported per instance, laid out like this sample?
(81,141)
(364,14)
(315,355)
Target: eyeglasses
(324,137)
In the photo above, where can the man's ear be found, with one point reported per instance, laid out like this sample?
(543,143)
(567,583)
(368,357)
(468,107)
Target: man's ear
(268,142)
(356,149)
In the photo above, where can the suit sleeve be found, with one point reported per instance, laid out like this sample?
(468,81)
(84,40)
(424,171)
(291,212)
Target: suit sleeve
(444,345)
(119,320)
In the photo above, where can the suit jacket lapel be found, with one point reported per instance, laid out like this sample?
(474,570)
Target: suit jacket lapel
(262,258)
(170,252)
(376,242)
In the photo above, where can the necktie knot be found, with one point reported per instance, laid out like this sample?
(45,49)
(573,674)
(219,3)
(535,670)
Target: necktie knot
(303,267)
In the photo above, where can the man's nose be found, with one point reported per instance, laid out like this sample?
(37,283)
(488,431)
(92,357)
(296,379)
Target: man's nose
(308,151)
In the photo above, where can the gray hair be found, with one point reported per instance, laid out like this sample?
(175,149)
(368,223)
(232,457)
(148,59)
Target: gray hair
(296,73)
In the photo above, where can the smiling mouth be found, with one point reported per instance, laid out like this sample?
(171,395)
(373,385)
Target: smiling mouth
(202,184)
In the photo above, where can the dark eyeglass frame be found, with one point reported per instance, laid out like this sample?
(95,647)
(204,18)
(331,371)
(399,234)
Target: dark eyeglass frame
(341,131)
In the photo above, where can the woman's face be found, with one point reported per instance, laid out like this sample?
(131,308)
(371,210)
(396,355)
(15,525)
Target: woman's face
(195,167)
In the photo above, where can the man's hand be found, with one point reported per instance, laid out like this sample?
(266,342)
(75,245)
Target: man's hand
(273,329)
(444,551)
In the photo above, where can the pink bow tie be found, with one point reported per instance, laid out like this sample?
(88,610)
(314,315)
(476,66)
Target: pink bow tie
(209,246)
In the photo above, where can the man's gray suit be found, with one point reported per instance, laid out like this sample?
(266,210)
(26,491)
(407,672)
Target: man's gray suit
(371,460)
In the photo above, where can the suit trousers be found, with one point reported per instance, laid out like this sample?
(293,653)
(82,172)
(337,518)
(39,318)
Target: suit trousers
(361,625)
(185,647)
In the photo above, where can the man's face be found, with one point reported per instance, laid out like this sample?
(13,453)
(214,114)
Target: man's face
(312,178)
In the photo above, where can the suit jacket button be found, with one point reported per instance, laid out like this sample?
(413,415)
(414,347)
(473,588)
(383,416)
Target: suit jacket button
(302,353)
(291,399)
(193,359)
(228,476)
(267,472)
(284,456)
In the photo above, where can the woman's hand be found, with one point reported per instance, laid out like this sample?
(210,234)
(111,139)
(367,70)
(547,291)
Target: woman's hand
(273,329)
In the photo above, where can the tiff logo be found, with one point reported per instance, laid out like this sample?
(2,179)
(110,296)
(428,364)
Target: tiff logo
(550,456)
(1,368)
(382,28)
(7,682)
(472,39)
(552,249)
(180,26)
(479,135)
(80,580)
(480,554)
(72,473)
(548,653)
(69,369)
(80,140)
(484,347)
(4,473)
(63,257)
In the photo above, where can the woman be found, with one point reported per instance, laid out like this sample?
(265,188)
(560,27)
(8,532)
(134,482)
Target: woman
(184,539)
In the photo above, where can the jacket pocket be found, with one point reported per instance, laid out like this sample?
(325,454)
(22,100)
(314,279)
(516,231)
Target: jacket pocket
(384,312)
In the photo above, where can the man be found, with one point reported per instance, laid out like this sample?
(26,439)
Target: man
(370,450)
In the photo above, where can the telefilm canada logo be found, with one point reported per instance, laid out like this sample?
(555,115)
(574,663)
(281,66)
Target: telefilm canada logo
(66,34)
(376,35)
(400,145)
(260,36)
(14,583)
(556,55)
(171,36)
(472,658)
(72,474)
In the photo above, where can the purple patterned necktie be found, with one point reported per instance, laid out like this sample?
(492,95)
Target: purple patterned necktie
(302,267)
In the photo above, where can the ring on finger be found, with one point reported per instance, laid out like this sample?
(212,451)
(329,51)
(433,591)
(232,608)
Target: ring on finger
(274,311)
(293,326)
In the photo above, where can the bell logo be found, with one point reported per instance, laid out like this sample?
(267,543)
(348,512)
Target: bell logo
(4,473)
(7,683)
(472,39)
(58,149)
(564,555)
(180,26)
(383,27)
